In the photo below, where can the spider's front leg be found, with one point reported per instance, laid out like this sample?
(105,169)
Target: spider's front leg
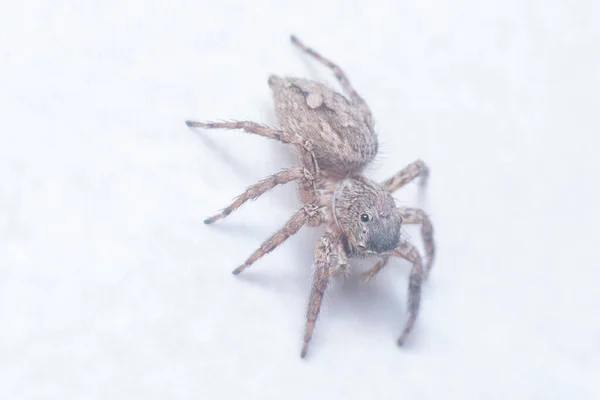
(418,216)
(326,260)
(374,270)
(410,253)
(417,275)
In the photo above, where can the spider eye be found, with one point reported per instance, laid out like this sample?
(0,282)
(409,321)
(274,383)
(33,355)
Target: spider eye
(365,218)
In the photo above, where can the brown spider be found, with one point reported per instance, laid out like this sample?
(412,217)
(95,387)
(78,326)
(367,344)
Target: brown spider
(335,139)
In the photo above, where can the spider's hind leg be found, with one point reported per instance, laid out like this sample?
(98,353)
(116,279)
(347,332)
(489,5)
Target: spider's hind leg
(309,160)
(341,77)
(247,126)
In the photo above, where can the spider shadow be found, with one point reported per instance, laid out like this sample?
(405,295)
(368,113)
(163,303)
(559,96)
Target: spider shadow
(379,302)
(235,229)
(221,152)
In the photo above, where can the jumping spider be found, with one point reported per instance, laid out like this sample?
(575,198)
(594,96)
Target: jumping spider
(335,140)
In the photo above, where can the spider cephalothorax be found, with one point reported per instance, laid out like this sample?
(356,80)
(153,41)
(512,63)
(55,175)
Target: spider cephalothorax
(335,140)
(367,216)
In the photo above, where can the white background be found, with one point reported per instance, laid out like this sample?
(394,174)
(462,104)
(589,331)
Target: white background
(112,287)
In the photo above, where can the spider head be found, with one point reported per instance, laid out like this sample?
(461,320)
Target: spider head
(367,215)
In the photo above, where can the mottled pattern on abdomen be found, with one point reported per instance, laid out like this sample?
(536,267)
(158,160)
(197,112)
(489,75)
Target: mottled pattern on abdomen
(341,139)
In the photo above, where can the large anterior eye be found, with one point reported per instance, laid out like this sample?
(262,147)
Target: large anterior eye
(365,218)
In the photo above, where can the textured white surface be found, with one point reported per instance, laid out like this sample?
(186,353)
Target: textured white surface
(111,286)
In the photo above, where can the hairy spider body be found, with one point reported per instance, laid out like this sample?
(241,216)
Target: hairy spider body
(343,142)
(335,139)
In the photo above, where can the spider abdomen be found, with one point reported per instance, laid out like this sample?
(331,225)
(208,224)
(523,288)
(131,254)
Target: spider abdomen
(342,141)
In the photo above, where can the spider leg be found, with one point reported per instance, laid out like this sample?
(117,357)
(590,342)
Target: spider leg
(297,221)
(247,126)
(418,216)
(341,77)
(409,252)
(303,146)
(411,216)
(417,275)
(325,257)
(370,274)
(407,174)
(254,191)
